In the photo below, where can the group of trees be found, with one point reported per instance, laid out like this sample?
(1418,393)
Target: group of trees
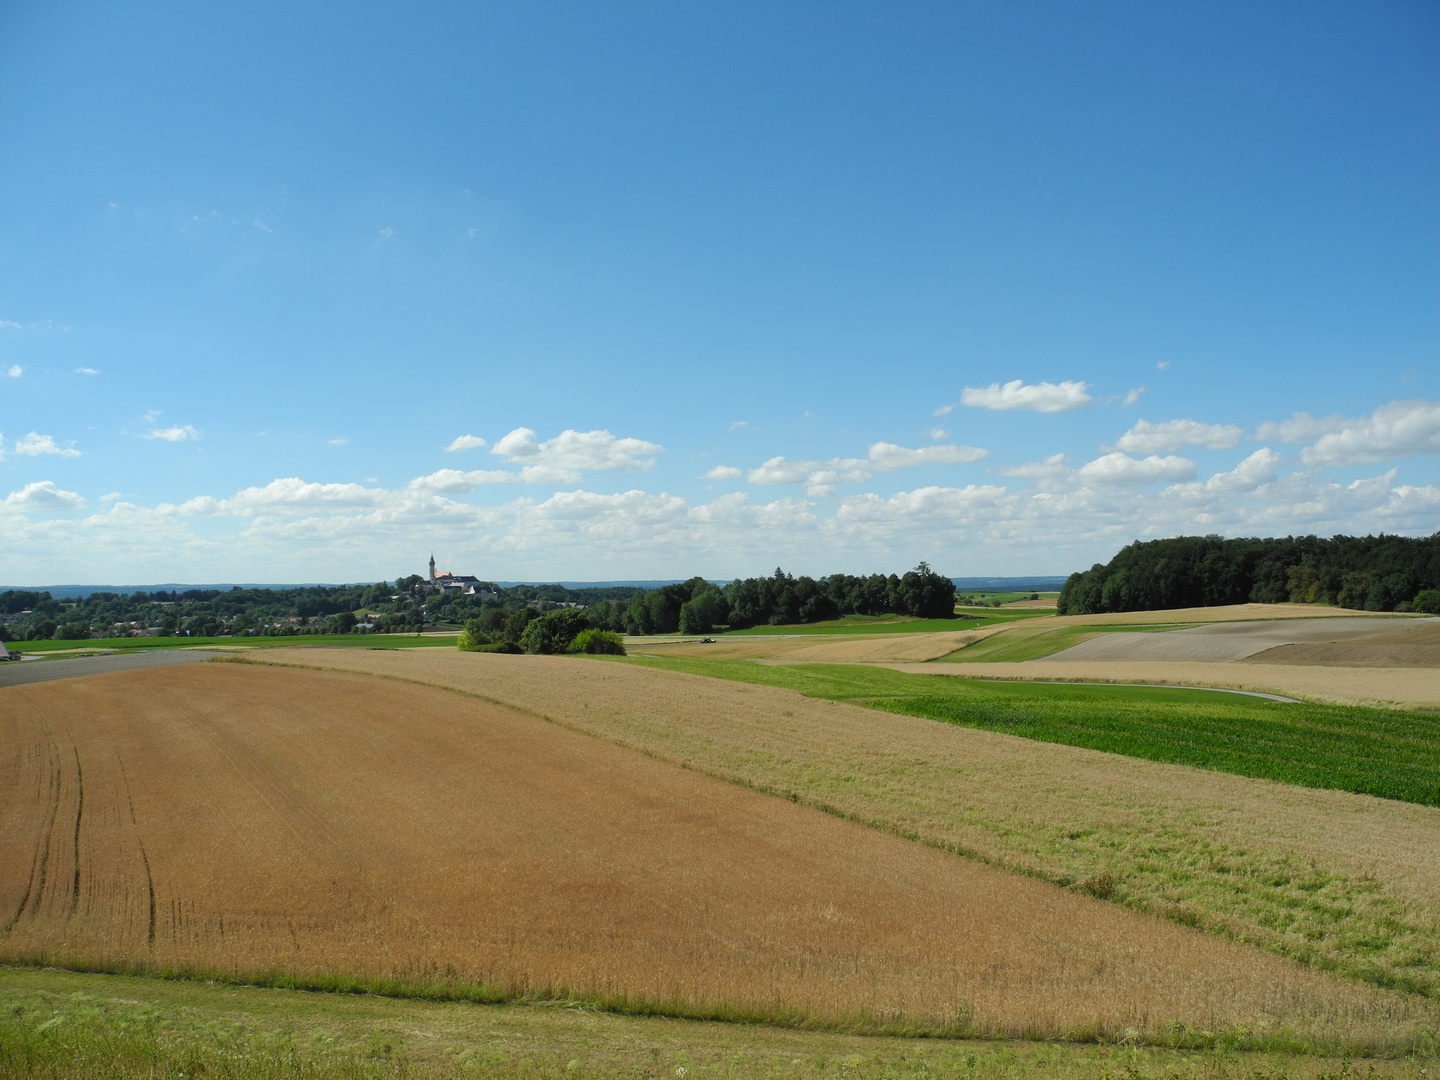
(698,606)
(527,630)
(1370,573)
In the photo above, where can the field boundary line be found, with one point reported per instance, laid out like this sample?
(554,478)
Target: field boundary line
(1086,887)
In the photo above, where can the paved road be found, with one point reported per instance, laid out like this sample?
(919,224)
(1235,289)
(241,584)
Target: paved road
(15,672)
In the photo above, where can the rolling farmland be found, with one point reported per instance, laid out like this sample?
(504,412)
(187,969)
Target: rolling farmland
(250,820)
(1340,881)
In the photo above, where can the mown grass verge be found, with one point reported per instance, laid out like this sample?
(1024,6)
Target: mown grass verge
(63,1024)
(1388,753)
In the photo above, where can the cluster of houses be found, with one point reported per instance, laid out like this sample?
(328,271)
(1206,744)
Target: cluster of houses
(465,584)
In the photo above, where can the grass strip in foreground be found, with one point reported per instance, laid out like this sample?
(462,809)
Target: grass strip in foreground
(1388,753)
(57,1023)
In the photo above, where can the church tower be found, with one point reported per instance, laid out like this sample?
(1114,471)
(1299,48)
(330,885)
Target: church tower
(432,567)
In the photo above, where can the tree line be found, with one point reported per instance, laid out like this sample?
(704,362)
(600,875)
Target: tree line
(1369,573)
(699,606)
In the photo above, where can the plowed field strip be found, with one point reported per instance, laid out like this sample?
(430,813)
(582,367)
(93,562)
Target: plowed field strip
(316,822)
(1337,880)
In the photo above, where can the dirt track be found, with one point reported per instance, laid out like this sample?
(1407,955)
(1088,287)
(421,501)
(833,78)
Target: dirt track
(247,818)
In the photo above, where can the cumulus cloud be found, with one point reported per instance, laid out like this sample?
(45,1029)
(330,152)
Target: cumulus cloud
(938,433)
(944,410)
(1042,397)
(455,482)
(179,433)
(1131,396)
(14,371)
(822,476)
(1117,468)
(43,495)
(34,445)
(1050,468)
(562,459)
(1256,470)
(1399,429)
(466,442)
(1148,438)
(724,472)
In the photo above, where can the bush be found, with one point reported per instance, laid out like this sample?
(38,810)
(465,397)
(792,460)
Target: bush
(1427,600)
(599,642)
(474,639)
(499,647)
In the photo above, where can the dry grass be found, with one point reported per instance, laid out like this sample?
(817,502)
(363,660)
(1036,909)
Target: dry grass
(1335,879)
(1392,688)
(240,818)
(202,1029)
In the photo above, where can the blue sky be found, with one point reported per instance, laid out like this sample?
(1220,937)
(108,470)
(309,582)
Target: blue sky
(590,291)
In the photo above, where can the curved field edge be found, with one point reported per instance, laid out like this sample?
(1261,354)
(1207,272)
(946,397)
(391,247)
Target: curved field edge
(1419,1041)
(1387,753)
(56,1023)
(1280,901)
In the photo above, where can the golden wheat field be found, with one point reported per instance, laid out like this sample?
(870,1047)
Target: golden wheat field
(1238,856)
(240,818)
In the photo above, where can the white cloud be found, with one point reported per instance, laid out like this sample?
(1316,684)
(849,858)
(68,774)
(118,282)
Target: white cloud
(562,459)
(1131,396)
(466,442)
(944,410)
(7,324)
(110,496)
(1148,438)
(86,371)
(1042,397)
(1050,468)
(1301,427)
(1256,470)
(14,371)
(34,445)
(886,457)
(43,495)
(180,433)
(724,472)
(822,476)
(736,424)
(338,440)
(1117,468)
(1161,365)
(455,482)
(1399,429)
(938,433)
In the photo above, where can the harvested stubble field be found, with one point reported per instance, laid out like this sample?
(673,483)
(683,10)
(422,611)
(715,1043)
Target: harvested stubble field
(1340,881)
(245,819)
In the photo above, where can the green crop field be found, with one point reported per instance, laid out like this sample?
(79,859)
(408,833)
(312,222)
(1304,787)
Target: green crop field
(1389,753)
(1033,642)
(888,624)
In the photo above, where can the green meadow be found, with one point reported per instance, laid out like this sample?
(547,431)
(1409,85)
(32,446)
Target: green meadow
(1388,753)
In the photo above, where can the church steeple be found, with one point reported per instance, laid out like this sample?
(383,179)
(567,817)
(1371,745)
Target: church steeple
(432,566)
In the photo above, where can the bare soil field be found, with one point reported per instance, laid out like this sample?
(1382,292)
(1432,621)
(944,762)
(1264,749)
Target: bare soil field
(1416,646)
(1338,880)
(1385,687)
(1228,641)
(241,818)
(1224,613)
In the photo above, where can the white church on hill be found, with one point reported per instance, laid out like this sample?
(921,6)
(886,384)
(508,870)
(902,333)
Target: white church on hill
(445,581)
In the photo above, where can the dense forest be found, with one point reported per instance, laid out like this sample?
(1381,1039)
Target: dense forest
(696,606)
(1369,573)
